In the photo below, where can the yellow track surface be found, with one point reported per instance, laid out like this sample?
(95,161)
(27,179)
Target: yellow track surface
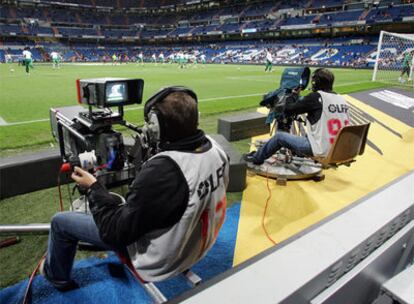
(300,204)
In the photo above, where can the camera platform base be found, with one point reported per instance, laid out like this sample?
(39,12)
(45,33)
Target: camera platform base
(283,168)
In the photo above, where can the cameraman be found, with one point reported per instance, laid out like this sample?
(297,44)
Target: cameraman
(173,211)
(327,113)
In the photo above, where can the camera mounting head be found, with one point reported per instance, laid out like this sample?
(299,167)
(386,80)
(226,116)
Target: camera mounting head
(105,93)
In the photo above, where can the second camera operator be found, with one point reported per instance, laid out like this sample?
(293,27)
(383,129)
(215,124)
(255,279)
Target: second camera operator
(327,113)
(175,207)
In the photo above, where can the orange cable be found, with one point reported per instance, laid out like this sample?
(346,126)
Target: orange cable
(29,284)
(265,209)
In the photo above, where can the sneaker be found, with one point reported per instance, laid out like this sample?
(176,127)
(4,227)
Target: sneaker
(250,158)
(59,285)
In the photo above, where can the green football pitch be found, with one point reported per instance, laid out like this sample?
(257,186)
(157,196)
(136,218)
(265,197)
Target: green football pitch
(25,100)
(24,125)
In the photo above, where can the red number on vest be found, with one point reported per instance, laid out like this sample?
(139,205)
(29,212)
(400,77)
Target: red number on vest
(220,211)
(334,126)
(220,208)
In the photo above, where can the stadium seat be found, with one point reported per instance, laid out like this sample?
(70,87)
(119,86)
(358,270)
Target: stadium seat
(349,143)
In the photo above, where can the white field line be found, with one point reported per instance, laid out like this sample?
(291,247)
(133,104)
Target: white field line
(4,123)
(25,122)
(207,99)
(130,109)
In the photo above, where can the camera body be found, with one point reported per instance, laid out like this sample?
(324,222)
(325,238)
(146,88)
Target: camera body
(292,80)
(86,136)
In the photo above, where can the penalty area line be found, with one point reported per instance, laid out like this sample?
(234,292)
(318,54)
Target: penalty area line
(4,123)
(24,122)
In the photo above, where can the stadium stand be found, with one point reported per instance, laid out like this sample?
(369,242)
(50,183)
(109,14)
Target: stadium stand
(133,26)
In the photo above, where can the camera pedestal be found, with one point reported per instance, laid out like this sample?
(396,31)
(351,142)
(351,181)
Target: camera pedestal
(283,168)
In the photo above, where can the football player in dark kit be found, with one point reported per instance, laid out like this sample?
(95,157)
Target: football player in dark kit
(175,207)
(406,66)
(327,113)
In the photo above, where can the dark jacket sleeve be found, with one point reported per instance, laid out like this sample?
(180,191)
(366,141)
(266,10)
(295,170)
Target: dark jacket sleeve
(305,104)
(310,104)
(157,199)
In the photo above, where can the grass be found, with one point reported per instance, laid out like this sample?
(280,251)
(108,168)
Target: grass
(25,102)
(23,257)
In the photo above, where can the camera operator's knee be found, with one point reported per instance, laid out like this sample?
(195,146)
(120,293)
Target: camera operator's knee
(58,221)
(283,138)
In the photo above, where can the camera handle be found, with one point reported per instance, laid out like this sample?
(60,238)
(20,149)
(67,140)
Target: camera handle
(60,125)
(131,127)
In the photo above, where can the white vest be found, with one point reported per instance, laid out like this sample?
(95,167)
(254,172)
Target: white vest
(334,117)
(164,253)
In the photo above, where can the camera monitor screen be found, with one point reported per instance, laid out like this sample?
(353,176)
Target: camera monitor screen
(109,92)
(116,93)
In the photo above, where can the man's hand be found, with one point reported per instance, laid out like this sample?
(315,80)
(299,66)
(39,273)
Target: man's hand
(83,178)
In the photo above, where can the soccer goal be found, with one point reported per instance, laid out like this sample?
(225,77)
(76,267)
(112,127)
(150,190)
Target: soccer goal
(395,59)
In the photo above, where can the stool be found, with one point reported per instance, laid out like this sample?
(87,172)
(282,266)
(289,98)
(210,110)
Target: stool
(150,287)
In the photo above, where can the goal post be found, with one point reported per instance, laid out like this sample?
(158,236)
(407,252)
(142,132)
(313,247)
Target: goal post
(394,62)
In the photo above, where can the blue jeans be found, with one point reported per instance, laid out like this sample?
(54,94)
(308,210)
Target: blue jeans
(66,229)
(299,145)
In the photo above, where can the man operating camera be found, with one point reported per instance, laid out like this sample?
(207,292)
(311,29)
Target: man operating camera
(174,209)
(327,113)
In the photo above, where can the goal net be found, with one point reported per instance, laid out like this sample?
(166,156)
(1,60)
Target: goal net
(395,59)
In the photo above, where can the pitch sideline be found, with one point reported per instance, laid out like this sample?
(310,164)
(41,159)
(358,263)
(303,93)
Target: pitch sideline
(4,123)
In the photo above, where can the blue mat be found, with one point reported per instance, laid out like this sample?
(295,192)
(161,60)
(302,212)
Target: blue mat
(108,281)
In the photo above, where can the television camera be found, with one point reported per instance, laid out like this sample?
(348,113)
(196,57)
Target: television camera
(283,165)
(86,135)
(293,80)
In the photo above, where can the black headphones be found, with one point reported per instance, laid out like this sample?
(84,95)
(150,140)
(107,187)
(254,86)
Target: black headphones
(316,80)
(322,79)
(154,120)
